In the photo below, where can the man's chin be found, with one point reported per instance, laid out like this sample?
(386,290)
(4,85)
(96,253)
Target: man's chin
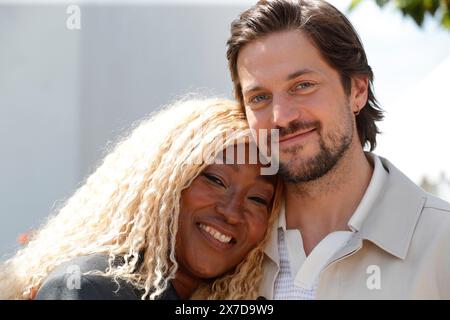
(303,168)
(301,155)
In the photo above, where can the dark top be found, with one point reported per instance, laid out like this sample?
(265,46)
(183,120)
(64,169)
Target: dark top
(67,282)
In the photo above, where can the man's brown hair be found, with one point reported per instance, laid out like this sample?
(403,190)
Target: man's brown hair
(331,33)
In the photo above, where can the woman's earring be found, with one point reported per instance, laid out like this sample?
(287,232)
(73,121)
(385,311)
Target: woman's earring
(357,112)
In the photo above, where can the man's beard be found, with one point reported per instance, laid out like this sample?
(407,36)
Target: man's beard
(296,171)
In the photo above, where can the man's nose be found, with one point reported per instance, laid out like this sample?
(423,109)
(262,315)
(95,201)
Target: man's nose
(231,208)
(284,111)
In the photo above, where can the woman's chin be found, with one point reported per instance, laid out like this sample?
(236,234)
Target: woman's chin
(209,272)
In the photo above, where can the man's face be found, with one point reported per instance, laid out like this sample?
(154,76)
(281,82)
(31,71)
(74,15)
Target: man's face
(287,85)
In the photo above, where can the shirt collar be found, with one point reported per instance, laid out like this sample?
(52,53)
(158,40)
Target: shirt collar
(379,178)
(395,213)
(282,217)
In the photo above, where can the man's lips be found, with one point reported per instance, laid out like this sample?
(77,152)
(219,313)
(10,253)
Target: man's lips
(296,136)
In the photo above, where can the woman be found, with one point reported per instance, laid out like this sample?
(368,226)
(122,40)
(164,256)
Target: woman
(156,220)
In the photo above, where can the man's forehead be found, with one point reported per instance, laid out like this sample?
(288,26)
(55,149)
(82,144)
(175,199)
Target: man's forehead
(263,58)
(279,44)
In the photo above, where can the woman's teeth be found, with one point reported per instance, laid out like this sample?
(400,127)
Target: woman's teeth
(216,234)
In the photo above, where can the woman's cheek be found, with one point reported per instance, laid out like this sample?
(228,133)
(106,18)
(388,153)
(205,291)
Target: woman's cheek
(259,229)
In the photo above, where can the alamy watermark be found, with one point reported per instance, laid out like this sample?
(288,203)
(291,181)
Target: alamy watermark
(374,280)
(248,147)
(73,21)
(74,277)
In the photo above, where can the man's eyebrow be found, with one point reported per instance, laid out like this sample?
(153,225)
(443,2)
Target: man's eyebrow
(252,89)
(298,73)
(291,76)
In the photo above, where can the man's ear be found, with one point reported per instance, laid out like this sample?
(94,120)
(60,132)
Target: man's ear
(359,94)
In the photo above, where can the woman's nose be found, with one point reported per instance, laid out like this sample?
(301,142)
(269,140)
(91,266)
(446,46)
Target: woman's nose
(231,208)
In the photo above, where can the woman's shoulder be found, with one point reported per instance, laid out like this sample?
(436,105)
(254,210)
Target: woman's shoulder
(68,282)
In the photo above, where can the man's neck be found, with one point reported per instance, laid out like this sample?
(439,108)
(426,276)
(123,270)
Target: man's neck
(325,205)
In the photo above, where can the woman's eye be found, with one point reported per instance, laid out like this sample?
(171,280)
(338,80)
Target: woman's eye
(259,200)
(214,179)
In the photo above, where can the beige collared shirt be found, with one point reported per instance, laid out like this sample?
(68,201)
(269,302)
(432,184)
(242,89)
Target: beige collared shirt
(399,248)
(305,271)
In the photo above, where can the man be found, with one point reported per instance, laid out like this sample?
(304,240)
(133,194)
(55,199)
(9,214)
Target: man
(352,226)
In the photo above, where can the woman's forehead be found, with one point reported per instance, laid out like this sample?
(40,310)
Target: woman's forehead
(241,153)
(245,169)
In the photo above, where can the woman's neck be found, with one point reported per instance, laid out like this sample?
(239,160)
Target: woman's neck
(185,284)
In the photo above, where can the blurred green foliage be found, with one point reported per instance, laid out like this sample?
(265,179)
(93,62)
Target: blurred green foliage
(417,9)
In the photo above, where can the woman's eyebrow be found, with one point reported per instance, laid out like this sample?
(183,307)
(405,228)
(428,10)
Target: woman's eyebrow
(265,178)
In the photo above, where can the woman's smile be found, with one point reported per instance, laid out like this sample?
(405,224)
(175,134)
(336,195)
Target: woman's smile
(215,238)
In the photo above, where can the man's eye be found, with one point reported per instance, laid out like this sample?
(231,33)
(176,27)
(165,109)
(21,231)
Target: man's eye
(259,98)
(214,179)
(259,200)
(304,85)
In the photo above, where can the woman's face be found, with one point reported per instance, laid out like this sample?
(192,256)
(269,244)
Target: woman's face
(223,215)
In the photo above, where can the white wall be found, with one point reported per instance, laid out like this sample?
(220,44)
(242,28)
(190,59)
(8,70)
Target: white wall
(39,116)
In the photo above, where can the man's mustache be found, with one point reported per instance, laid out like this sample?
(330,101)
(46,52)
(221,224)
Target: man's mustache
(295,126)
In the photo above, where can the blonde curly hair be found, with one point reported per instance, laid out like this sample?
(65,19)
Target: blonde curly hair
(130,206)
